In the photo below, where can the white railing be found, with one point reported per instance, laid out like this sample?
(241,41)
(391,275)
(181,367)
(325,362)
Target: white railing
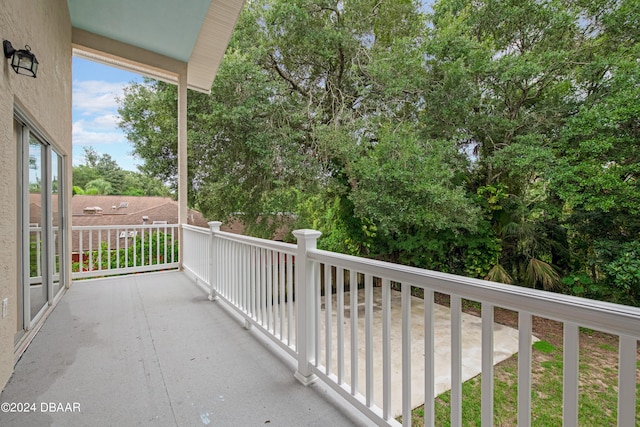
(197,253)
(254,276)
(321,330)
(572,312)
(100,251)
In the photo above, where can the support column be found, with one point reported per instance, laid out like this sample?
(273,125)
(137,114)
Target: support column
(182,158)
(305,295)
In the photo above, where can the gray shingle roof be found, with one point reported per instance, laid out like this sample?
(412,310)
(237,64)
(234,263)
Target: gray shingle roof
(129,210)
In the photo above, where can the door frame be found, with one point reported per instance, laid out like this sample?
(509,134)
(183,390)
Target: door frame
(26,130)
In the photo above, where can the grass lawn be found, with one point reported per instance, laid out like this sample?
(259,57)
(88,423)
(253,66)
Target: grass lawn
(598,374)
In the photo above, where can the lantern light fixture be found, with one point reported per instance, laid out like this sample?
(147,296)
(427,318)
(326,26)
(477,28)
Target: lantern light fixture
(22,60)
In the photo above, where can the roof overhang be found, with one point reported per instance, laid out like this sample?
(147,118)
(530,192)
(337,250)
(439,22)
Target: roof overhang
(161,39)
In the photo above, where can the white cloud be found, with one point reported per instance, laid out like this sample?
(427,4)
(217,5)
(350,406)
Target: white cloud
(105,121)
(95,132)
(95,113)
(96,97)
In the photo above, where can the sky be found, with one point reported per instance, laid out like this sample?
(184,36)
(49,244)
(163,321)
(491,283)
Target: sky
(95,112)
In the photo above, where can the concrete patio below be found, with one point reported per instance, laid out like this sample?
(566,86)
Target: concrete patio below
(150,349)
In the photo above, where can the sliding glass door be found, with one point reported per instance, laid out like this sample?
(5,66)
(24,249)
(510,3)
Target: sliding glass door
(42,227)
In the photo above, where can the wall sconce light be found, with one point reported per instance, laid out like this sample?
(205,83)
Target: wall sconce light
(22,60)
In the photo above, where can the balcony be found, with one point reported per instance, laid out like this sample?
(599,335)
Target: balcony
(223,341)
(151,349)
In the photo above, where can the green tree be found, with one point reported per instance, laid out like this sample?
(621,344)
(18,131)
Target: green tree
(494,139)
(150,121)
(87,171)
(598,168)
(137,184)
(506,82)
(99,186)
(101,174)
(109,170)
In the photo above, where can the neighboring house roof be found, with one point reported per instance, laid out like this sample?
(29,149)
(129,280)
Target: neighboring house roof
(128,210)
(154,208)
(96,210)
(125,210)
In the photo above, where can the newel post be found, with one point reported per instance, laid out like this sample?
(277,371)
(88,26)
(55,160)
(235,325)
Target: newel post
(304,294)
(213,260)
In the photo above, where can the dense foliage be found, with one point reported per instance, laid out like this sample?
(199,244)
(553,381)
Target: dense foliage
(100,174)
(493,139)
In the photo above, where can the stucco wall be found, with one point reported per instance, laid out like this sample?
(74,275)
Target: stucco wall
(46,27)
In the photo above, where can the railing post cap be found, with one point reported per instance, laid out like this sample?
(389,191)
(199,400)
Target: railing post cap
(214,225)
(307,234)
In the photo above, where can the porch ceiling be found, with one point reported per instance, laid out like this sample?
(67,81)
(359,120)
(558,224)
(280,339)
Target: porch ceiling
(158,38)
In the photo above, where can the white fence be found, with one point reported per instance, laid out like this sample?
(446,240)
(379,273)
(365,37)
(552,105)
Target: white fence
(100,251)
(297,295)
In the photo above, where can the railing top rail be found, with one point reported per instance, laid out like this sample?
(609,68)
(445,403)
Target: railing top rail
(120,227)
(608,317)
(195,228)
(287,248)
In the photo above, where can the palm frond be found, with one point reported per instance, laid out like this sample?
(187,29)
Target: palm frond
(511,229)
(543,273)
(498,274)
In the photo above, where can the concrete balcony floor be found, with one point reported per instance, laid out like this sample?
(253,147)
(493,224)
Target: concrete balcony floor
(150,349)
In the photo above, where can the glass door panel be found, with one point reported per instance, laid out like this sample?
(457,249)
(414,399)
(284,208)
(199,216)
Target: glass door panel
(17,134)
(38,243)
(57,208)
